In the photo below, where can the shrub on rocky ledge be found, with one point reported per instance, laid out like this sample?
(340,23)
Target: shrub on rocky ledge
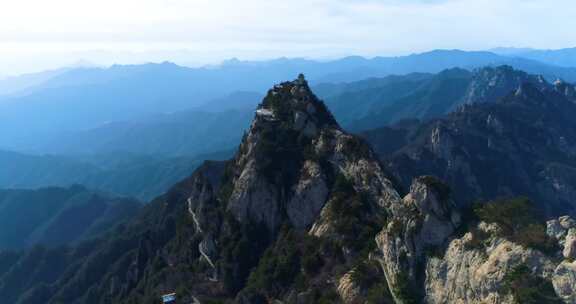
(526,288)
(519,222)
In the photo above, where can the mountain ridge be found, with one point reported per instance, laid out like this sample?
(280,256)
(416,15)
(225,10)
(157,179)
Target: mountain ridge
(472,148)
(305,213)
(86,98)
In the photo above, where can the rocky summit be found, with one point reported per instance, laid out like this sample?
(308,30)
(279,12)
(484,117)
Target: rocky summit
(305,213)
(520,144)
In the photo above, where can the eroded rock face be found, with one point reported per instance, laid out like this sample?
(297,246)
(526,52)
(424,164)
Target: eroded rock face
(349,292)
(472,273)
(361,169)
(286,166)
(310,194)
(555,230)
(563,229)
(564,280)
(565,89)
(422,222)
(475,275)
(564,277)
(492,82)
(254,198)
(569,251)
(265,189)
(495,149)
(419,247)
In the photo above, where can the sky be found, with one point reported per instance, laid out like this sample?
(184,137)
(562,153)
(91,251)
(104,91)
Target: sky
(40,34)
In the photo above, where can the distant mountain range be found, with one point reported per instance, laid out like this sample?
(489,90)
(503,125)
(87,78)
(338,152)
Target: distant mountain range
(87,98)
(377,102)
(179,134)
(128,175)
(562,57)
(143,157)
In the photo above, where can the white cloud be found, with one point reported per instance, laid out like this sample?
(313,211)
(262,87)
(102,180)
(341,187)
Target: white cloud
(216,29)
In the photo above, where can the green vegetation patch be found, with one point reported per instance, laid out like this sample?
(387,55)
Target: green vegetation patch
(519,222)
(352,216)
(278,267)
(403,290)
(439,187)
(526,288)
(369,276)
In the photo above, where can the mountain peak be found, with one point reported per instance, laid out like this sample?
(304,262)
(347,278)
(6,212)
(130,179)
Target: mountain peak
(491,83)
(293,105)
(534,98)
(289,158)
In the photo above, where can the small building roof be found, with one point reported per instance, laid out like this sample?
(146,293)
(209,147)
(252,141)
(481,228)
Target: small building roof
(169,298)
(264,112)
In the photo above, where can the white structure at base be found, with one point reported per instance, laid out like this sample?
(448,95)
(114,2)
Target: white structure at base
(169,298)
(265,112)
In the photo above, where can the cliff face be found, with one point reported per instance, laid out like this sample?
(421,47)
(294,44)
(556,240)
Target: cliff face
(490,84)
(421,223)
(291,155)
(522,144)
(296,173)
(429,253)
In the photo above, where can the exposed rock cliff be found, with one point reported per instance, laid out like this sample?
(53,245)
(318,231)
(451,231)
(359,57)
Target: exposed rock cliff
(523,144)
(421,224)
(491,83)
(432,262)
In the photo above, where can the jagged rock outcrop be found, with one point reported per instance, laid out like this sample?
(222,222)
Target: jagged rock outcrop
(430,96)
(476,275)
(564,280)
(523,144)
(421,223)
(349,291)
(287,159)
(491,83)
(566,89)
(563,230)
(426,256)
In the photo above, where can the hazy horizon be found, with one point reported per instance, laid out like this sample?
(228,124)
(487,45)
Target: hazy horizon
(185,58)
(62,32)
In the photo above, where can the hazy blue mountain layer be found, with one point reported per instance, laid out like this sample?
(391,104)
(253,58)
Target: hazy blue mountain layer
(58,216)
(86,98)
(130,175)
(377,102)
